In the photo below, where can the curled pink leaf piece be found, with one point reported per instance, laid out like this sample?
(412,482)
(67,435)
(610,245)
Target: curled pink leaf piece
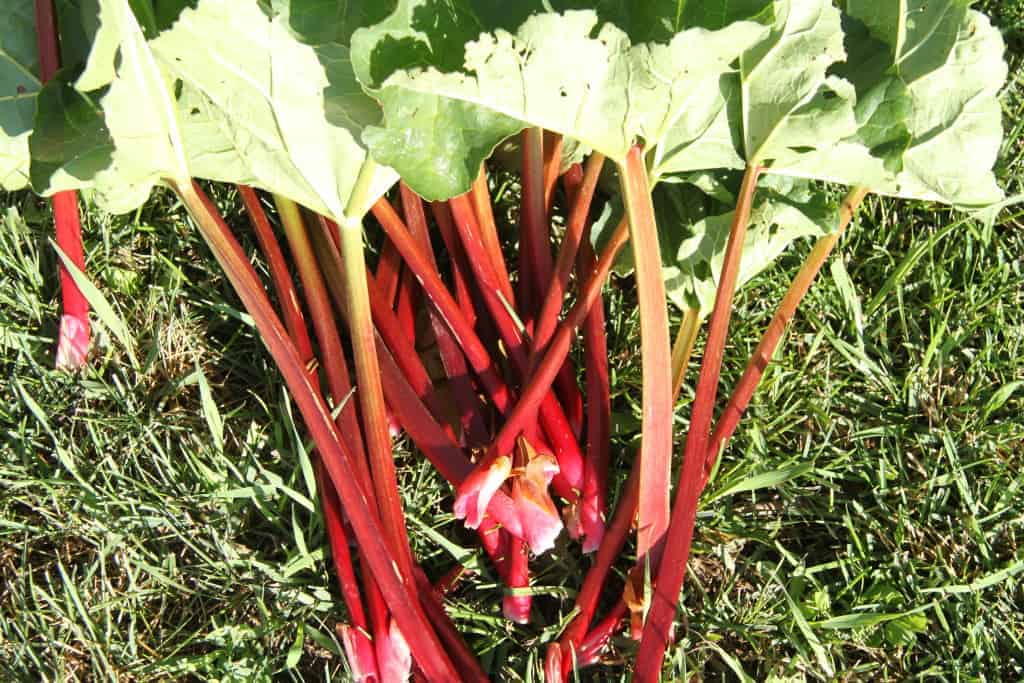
(537,512)
(475,493)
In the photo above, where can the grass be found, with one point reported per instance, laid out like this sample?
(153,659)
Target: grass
(156,523)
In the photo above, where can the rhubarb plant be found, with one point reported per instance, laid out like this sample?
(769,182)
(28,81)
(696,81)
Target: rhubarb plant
(688,143)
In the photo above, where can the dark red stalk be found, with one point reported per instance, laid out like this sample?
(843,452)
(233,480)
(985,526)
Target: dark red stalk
(656,428)
(535,265)
(599,416)
(745,388)
(457,259)
(569,480)
(516,608)
(454,362)
(422,426)
(559,284)
(359,647)
(397,589)
(481,198)
(389,271)
(536,390)
(407,302)
(435,290)
(672,570)
(73,335)
(615,538)
(280,277)
(433,604)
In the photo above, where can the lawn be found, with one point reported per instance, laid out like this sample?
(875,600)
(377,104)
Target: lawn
(157,522)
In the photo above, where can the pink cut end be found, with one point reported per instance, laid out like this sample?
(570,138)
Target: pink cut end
(359,652)
(477,490)
(72,342)
(516,608)
(553,664)
(393,656)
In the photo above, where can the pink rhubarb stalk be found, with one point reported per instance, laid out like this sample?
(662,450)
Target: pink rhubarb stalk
(656,426)
(672,569)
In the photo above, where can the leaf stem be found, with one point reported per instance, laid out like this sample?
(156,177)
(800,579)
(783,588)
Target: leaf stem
(762,355)
(672,568)
(656,444)
(399,594)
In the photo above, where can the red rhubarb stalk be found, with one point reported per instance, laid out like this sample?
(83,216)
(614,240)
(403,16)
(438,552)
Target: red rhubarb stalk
(389,271)
(439,297)
(481,198)
(801,284)
(574,638)
(569,481)
(457,259)
(599,415)
(73,335)
(672,569)
(397,589)
(355,637)
(656,425)
(420,424)
(452,358)
(535,265)
(548,317)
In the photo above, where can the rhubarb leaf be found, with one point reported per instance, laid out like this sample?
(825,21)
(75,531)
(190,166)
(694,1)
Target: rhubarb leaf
(563,73)
(919,34)
(790,102)
(419,33)
(19,85)
(291,112)
(70,142)
(956,125)
(693,243)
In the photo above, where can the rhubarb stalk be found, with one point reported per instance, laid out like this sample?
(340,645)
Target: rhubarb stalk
(73,335)
(672,569)
(762,355)
(656,425)
(396,588)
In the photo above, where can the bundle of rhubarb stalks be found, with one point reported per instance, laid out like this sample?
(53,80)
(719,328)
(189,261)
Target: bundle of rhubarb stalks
(687,146)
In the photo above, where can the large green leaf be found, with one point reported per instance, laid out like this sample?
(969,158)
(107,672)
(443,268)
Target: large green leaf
(919,34)
(70,142)
(790,102)
(956,124)
(19,85)
(290,112)
(565,73)
(419,33)
(927,75)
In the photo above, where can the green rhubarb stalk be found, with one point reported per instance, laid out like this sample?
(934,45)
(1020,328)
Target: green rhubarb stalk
(320,311)
(369,389)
